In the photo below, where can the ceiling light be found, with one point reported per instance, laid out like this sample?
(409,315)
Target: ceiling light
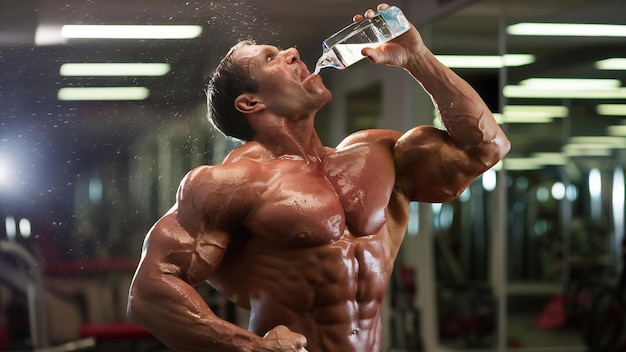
(566,88)
(571,83)
(616,63)
(131,31)
(521,164)
(617,130)
(598,141)
(49,34)
(535,111)
(546,158)
(103,93)
(503,118)
(567,29)
(114,69)
(513,91)
(593,145)
(611,109)
(486,61)
(535,162)
(586,150)
(531,113)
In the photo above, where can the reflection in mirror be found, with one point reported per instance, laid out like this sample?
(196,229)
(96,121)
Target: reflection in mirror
(565,175)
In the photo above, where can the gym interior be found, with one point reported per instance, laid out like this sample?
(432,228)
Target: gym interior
(529,258)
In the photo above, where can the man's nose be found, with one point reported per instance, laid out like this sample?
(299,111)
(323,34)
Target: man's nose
(292,55)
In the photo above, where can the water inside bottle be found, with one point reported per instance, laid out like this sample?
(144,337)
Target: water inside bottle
(343,48)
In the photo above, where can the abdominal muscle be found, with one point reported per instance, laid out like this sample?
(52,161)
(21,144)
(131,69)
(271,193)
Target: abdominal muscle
(330,293)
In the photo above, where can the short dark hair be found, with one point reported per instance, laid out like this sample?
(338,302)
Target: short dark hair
(224,85)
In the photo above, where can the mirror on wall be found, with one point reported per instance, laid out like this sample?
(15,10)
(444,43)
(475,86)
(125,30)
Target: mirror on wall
(565,176)
(560,242)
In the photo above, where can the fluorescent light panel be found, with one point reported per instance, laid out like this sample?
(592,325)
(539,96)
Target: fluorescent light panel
(617,130)
(114,69)
(545,111)
(566,88)
(571,83)
(587,150)
(513,91)
(103,93)
(500,118)
(535,162)
(486,61)
(521,164)
(131,31)
(593,145)
(531,113)
(550,158)
(567,29)
(611,109)
(615,63)
(598,141)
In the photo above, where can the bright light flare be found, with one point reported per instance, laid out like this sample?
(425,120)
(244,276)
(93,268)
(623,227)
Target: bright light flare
(6,174)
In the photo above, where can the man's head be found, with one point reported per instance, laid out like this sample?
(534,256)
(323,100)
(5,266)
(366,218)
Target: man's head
(228,81)
(262,79)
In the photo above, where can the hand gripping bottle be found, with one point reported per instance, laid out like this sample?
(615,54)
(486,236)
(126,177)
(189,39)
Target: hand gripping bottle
(343,48)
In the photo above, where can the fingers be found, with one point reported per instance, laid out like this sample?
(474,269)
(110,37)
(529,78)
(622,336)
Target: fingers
(370,13)
(382,6)
(283,336)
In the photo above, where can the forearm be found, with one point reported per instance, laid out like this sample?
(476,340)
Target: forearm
(466,117)
(179,317)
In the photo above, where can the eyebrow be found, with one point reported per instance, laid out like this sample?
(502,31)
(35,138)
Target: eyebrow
(266,50)
(270,49)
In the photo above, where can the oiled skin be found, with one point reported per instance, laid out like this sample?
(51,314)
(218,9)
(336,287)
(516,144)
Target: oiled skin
(305,235)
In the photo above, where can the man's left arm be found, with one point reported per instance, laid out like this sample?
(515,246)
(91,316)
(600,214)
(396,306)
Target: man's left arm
(434,165)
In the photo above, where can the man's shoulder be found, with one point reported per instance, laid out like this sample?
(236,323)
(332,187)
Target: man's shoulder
(206,187)
(250,151)
(371,136)
(212,178)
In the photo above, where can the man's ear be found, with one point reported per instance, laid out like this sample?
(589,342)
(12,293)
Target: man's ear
(248,103)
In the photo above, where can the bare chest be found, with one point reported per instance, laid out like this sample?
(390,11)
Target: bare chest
(303,204)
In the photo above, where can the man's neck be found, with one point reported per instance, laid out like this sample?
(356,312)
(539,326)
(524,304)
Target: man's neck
(283,137)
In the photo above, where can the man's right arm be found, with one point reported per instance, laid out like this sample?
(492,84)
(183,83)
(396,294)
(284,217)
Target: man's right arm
(163,300)
(180,251)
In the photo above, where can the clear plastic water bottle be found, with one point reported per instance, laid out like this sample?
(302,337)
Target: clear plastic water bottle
(343,48)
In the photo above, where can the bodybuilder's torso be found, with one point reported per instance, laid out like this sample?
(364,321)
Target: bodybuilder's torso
(316,253)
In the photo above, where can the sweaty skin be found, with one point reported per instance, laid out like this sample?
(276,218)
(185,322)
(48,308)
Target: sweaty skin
(305,236)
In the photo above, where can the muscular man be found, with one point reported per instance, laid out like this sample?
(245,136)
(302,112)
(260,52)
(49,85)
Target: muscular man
(303,235)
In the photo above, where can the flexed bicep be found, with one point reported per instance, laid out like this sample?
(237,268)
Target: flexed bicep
(431,168)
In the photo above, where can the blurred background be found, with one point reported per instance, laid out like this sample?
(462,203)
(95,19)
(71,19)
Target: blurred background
(98,127)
